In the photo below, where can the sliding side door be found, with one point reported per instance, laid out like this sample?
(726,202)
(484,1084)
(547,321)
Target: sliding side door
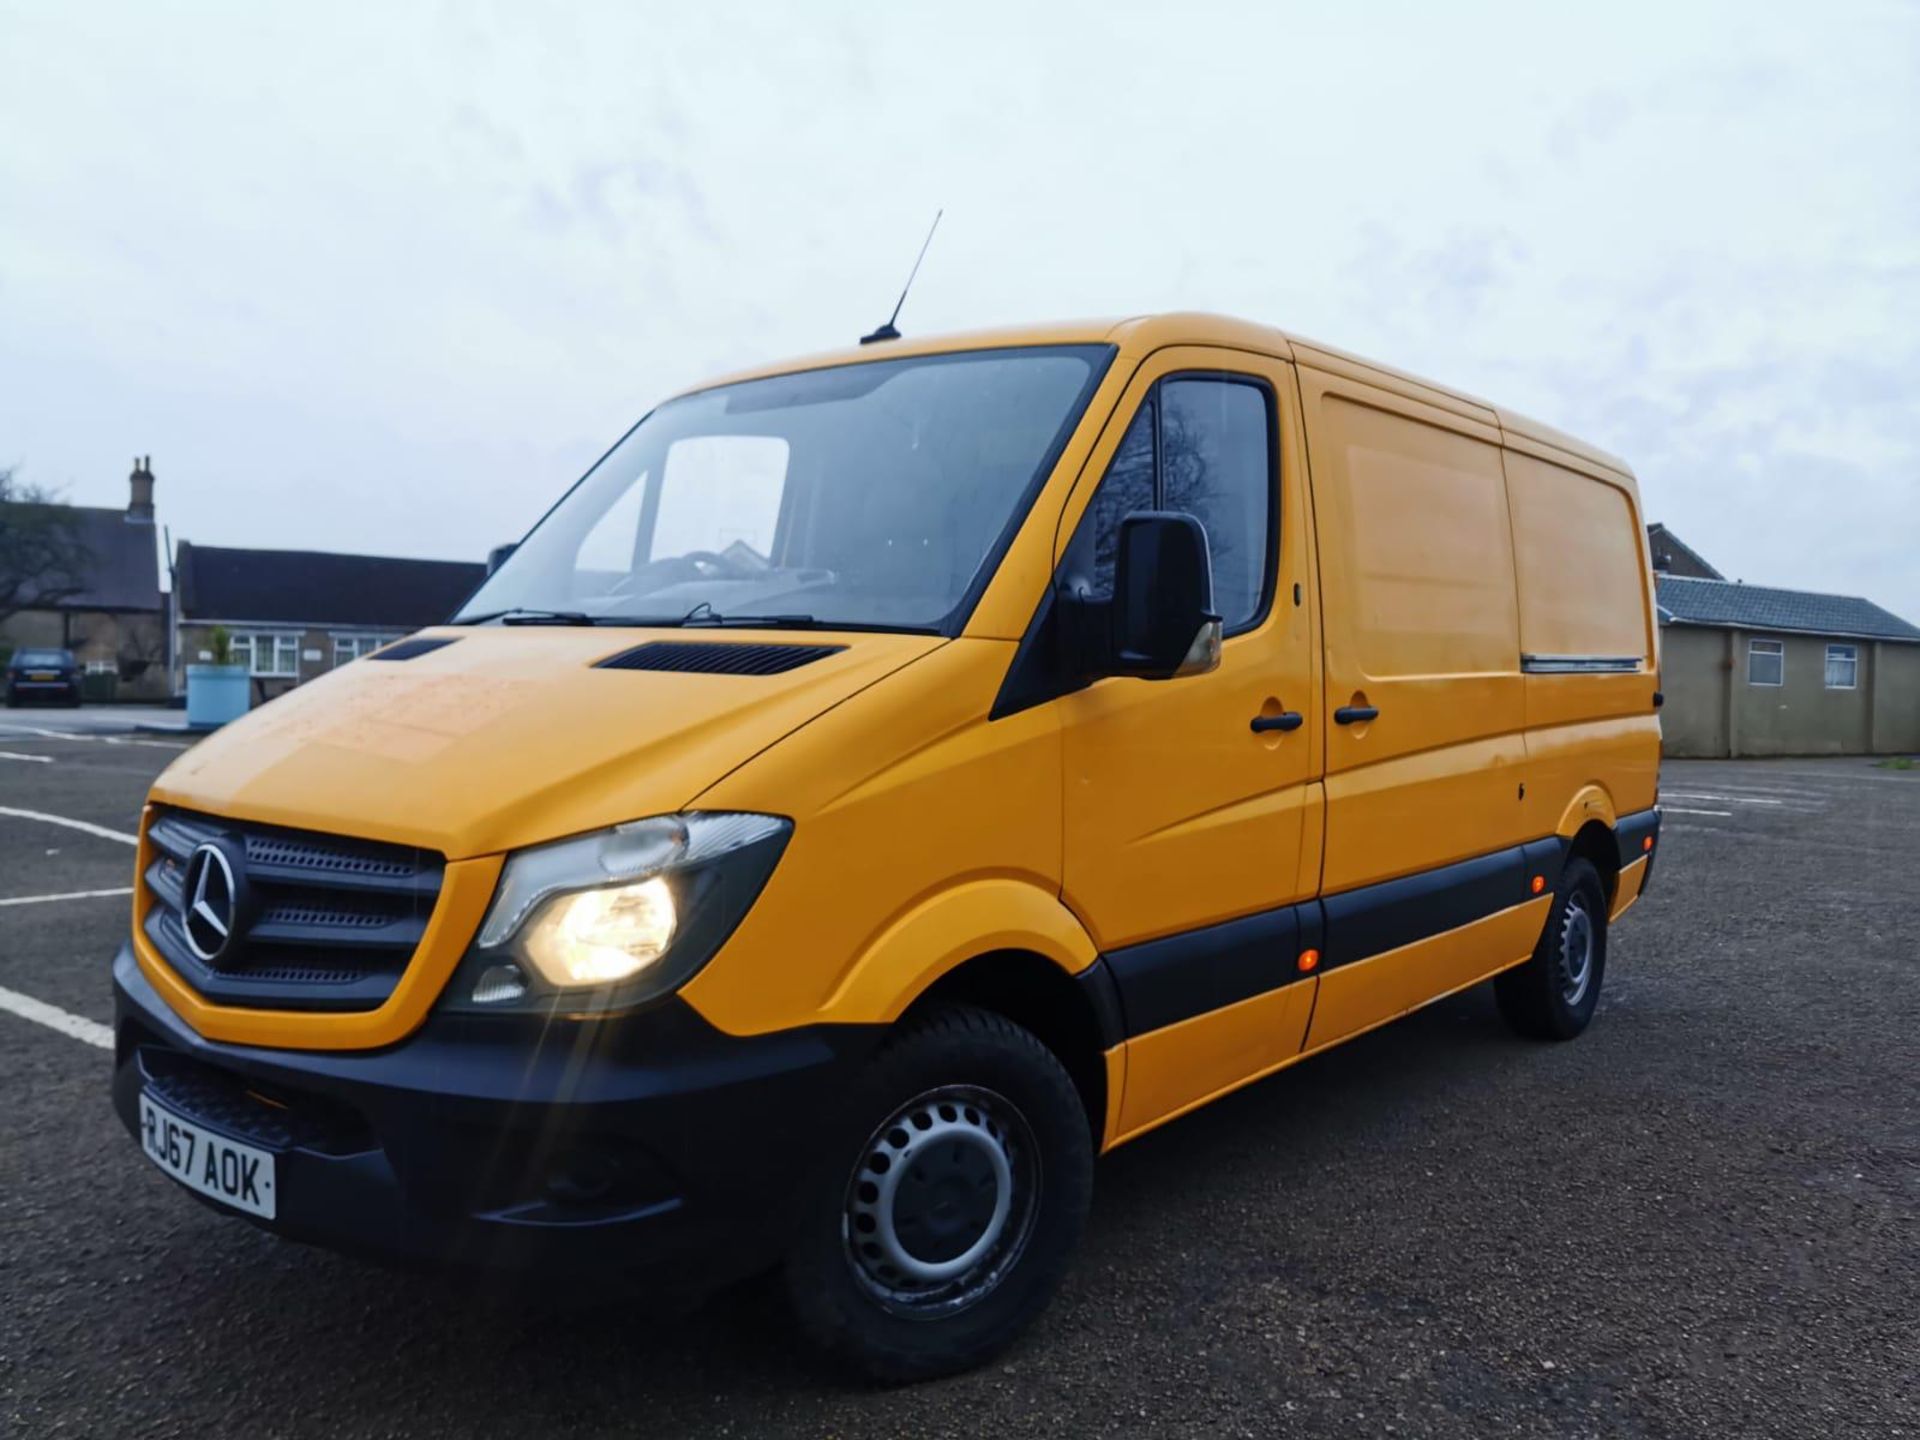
(1423,884)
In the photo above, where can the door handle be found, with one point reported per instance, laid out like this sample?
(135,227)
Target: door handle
(1285,720)
(1353,714)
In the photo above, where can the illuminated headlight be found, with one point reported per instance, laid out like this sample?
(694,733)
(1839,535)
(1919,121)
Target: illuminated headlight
(618,916)
(599,936)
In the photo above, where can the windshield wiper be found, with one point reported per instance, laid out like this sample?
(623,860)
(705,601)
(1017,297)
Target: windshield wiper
(706,621)
(704,614)
(523,615)
(701,615)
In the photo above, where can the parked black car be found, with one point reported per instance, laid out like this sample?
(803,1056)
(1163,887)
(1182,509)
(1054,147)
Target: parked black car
(43,675)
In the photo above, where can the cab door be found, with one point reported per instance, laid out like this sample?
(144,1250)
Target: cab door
(1192,820)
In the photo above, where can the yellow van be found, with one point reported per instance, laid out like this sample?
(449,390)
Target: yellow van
(883,783)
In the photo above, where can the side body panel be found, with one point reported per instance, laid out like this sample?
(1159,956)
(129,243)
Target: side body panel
(1581,561)
(1422,625)
(924,835)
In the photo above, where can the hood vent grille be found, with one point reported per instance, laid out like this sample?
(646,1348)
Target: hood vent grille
(407,649)
(712,658)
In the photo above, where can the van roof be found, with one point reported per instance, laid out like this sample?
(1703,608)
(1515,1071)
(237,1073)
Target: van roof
(1145,333)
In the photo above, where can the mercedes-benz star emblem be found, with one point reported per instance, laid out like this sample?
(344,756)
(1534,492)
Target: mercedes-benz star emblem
(212,906)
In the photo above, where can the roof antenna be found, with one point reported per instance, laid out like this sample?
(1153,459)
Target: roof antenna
(887,331)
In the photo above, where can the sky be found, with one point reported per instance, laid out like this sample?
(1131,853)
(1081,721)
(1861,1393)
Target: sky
(388,277)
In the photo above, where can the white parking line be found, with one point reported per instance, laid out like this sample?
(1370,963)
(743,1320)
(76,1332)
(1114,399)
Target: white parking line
(1682,810)
(54,1018)
(35,759)
(84,825)
(39,732)
(65,895)
(1723,799)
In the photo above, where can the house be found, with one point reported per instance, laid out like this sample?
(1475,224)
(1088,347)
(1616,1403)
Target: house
(1673,556)
(292,615)
(1755,670)
(109,610)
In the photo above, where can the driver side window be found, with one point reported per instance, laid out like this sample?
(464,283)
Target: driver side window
(1202,445)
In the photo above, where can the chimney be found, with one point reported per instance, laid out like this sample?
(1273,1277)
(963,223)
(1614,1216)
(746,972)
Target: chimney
(140,491)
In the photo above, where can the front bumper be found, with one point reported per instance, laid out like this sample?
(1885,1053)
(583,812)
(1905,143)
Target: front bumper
(651,1143)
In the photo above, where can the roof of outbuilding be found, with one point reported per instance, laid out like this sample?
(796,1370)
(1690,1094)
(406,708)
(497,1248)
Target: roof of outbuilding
(1688,601)
(123,566)
(311,587)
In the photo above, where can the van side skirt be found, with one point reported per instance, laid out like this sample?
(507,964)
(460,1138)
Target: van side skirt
(1165,981)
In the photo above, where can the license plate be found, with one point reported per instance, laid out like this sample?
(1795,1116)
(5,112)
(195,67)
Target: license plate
(234,1174)
(43,675)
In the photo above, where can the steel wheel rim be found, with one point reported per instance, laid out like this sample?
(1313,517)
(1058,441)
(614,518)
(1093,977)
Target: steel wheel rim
(1576,951)
(941,1202)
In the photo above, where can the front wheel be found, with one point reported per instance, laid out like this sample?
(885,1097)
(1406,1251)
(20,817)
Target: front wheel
(959,1189)
(1554,994)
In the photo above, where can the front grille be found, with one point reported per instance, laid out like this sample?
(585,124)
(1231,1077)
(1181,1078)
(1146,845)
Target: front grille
(331,923)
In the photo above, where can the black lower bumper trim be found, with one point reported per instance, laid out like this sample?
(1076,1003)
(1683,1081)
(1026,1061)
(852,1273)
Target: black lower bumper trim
(650,1143)
(1638,836)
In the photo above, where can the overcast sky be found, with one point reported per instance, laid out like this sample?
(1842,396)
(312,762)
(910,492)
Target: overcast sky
(386,277)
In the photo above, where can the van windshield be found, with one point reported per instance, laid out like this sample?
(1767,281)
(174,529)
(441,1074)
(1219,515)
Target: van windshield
(866,496)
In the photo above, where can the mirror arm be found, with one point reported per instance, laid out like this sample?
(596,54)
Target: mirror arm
(1085,649)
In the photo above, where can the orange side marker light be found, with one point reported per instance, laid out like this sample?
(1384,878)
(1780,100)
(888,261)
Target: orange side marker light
(1539,883)
(1309,961)
(1647,844)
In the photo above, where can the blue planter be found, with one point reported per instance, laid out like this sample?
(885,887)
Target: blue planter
(216,694)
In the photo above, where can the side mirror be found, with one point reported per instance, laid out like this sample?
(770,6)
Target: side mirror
(1163,621)
(497,556)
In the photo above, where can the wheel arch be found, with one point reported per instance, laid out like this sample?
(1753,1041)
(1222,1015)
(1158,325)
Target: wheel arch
(1074,1016)
(1587,825)
(1598,846)
(1007,945)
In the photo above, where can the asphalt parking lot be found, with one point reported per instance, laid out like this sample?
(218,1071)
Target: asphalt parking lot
(1702,1218)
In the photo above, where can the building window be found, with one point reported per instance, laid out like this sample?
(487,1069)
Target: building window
(1843,667)
(352,647)
(1766,662)
(268,654)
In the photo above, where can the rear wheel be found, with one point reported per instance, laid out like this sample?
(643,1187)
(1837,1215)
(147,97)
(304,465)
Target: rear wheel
(1553,995)
(946,1218)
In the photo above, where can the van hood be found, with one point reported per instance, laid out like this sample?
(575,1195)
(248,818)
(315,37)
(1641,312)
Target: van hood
(510,736)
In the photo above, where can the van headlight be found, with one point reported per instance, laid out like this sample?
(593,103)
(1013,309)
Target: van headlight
(611,919)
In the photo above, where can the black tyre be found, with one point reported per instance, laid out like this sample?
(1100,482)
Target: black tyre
(1553,995)
(956,1195)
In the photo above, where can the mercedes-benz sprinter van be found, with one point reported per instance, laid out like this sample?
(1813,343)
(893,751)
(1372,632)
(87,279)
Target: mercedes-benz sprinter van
(885,782)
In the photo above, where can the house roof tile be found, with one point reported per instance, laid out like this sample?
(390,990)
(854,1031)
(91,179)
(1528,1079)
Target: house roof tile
(311,587)
(1688,601)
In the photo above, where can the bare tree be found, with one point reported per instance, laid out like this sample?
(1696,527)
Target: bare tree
(43,559)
